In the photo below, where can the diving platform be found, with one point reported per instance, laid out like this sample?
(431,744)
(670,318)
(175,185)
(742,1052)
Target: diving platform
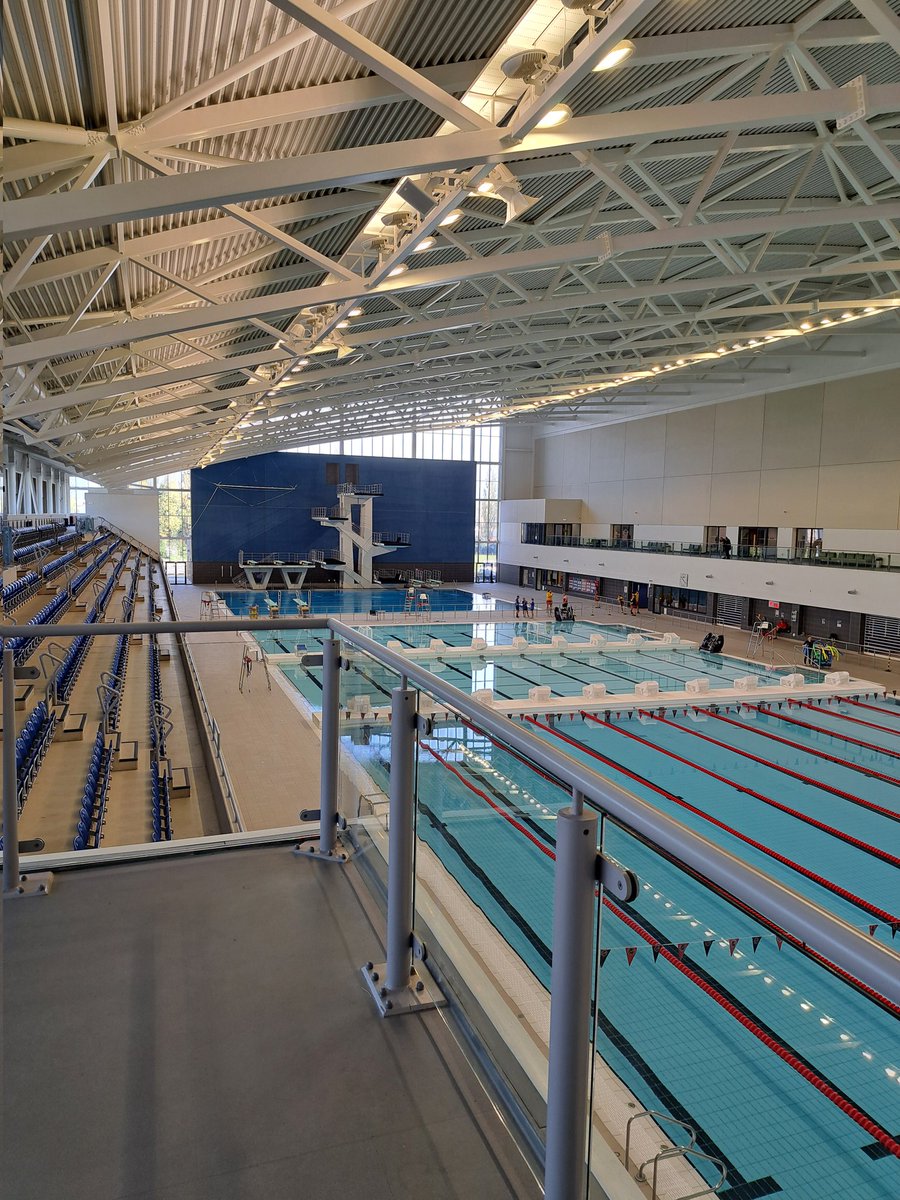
(280,572)
(359,544)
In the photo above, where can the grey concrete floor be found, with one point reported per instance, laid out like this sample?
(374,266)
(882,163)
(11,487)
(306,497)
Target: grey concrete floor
(197,1029)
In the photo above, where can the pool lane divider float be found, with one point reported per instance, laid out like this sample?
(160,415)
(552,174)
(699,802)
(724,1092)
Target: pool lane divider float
(806,749)
(828,1089)
(782,770)
(780,716)
(866,906)
(846,717)
(848,838)
(781,935)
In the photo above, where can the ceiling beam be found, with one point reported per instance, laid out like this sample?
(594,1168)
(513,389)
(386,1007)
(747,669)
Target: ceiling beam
(337,168)
(529,260)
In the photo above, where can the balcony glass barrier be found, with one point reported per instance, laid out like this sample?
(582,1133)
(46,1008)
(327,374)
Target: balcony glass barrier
(860,560)
(736,1022)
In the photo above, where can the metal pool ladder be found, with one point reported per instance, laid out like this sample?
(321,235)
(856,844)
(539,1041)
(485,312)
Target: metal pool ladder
(688,1152)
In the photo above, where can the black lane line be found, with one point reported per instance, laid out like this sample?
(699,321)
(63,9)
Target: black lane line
(616,675)
(468,676)
(762,1187)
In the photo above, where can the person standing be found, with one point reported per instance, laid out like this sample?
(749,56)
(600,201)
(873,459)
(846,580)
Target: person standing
(518,605)
(549,599)
(531,607)
(565,601)
(635,603)
(621,600)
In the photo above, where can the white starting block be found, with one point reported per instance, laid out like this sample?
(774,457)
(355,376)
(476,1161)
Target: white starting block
(746,683)
(484,696)
(594,691)
(635,639)
(838,678)
(539,693)
(671,639)
(359,704)
(478,644)
(597,639)
(649,687)
(696,687)
(792,681)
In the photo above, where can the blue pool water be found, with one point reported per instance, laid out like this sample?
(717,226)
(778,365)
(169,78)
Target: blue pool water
(675,1047)
(565,673)
(362,600)
(671,1043)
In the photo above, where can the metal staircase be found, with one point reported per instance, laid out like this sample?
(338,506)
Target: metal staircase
(359,543)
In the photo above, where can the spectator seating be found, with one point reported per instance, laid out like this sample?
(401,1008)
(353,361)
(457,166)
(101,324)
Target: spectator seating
(89,830)
(31,747)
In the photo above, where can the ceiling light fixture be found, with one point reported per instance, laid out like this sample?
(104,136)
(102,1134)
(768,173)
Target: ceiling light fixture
(398,270)
(355,312)
(451,218)
(425,244)
(557,115)
(620,53)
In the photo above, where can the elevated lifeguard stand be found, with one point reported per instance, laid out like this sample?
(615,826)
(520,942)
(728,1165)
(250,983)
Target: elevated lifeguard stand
(359,544)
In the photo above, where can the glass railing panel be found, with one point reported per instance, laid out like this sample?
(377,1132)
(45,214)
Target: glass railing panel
(484,895)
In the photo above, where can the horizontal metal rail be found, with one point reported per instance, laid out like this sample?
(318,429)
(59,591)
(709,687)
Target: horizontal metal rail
(872,962)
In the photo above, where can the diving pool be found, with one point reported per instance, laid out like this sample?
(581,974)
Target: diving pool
(360,600)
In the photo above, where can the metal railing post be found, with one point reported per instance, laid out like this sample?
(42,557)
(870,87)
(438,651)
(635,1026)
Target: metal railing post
(575,879)
(329,769)
(400,838)
(14,883)
(331,739)
(402,985)
(10,799)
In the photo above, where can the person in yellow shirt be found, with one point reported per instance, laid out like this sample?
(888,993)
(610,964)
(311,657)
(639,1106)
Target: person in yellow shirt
(549,599)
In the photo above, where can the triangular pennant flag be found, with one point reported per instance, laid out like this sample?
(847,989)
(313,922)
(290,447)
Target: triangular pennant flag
(707,945)
(756,939)
(732,945)
(604,954)
(656,949)
(682,946)
(630,952)
(778,941)
(872,929)
(894,928)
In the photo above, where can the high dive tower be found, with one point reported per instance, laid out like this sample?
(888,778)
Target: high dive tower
(359,544)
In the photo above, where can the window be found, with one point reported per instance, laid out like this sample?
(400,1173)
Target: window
(174,515)
(481,445)
(77,489)
(333,474)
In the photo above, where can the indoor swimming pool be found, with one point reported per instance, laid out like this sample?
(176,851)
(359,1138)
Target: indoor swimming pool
(360,600)
(684,971)
(511,678)
(704,1012)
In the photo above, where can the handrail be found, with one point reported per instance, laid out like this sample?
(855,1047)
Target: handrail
(804,556)
(870,961)
(129,537)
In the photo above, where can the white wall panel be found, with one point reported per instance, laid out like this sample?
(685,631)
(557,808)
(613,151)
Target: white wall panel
(607,452)
(787,497)
(792,428)
(689,442)
(738,435)
(734,499)
(645,448)
(686,500)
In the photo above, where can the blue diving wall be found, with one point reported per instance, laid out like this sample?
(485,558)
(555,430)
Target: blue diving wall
(262,505)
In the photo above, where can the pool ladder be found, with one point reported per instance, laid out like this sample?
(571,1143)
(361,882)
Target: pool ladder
(689,1153)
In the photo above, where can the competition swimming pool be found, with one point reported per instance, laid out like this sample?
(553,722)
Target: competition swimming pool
(685,972)
(789,1072)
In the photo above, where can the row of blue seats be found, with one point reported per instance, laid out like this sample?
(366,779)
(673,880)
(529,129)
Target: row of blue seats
(20,590)
(54,608)
(117,671)
(24,554)
(78,650)
(89,830)
(31,747)
(160,805)
(27,535)
(157,734)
